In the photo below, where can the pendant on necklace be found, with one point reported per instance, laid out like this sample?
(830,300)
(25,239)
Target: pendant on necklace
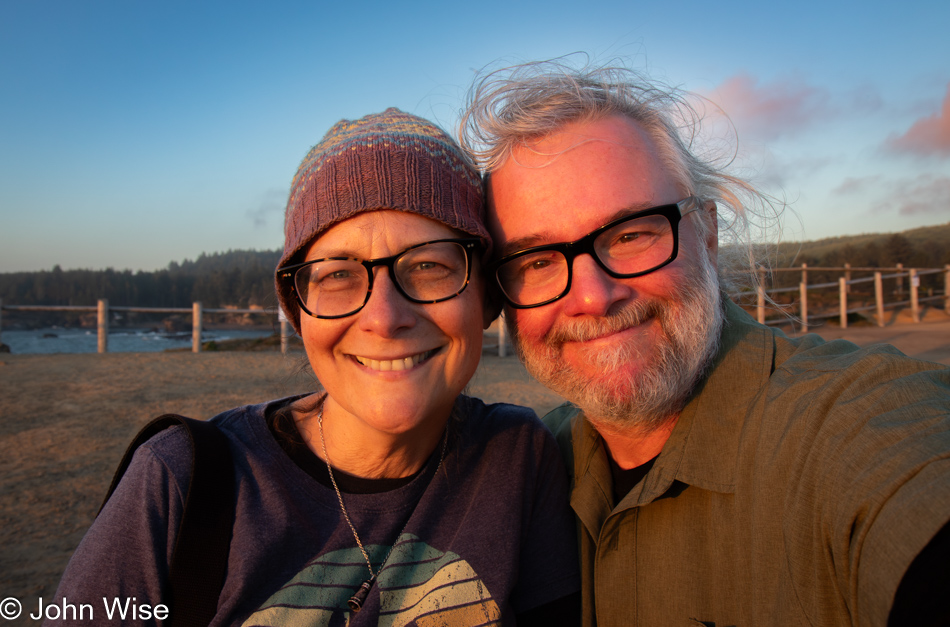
(359,597)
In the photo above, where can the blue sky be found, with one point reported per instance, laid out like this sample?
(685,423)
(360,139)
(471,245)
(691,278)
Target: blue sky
(138,132)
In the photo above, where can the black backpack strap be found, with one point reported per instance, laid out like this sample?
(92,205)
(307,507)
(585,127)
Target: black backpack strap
(200,558)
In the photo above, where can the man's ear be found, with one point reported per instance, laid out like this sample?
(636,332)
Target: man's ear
(711,217)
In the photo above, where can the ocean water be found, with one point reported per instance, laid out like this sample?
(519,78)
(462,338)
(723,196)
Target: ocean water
(58,340)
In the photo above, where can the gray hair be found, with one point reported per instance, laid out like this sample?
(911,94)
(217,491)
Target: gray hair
(510,106)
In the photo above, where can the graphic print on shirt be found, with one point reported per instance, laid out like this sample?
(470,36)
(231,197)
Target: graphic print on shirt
(419,586)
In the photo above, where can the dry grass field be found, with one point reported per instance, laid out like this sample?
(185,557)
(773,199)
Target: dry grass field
(66,419)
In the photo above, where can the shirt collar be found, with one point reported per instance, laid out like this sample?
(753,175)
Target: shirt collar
(704,445)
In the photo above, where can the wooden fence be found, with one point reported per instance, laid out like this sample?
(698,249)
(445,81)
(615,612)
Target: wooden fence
(847,302)
(844,284)
(103,309)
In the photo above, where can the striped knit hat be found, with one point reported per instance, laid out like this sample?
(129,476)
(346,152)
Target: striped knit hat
(389,160)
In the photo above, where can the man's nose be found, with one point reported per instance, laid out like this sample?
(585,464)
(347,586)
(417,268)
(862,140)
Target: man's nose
(593,291)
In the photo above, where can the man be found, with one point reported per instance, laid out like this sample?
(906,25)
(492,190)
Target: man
(722,473)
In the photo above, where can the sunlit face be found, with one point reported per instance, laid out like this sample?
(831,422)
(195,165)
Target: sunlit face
(394,366)
(625,350)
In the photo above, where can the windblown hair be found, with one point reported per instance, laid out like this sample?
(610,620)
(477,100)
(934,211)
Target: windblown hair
(511,106)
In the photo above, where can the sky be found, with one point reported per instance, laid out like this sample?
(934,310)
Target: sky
(134,133)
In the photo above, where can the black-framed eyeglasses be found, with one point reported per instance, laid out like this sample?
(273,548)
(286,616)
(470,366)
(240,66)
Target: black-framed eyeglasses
(627,247)
(336,287)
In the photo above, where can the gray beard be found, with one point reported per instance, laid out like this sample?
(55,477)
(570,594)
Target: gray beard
(690,338)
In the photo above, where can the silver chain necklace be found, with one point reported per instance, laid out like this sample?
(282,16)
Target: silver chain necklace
(356,601)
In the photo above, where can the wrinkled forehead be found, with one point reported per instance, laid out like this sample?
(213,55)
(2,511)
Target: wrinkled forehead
(570,182)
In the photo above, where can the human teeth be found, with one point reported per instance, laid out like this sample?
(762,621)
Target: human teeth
(394,364)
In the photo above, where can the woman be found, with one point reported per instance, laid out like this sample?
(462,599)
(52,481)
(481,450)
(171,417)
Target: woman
(389,498)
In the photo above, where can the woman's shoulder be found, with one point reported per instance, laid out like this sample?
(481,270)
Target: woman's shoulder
(243,427)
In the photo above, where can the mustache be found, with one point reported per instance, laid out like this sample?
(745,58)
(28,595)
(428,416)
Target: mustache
(586,329)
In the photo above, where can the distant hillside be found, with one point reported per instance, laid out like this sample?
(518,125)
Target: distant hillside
(925,246)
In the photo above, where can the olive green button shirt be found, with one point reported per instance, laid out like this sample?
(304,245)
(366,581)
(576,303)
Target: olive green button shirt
(796,488)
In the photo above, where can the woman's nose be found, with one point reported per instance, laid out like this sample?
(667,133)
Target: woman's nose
(387,310)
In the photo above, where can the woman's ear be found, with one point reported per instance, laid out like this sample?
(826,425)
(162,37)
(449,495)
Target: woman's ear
(491,308)
(492,299)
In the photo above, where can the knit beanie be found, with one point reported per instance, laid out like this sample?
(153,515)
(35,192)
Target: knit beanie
(389,160)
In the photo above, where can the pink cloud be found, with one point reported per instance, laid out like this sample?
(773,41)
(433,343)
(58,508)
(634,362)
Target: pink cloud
(768,111)
(928,136)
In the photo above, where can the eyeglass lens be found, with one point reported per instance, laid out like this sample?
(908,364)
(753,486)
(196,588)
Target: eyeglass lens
(338,287)
(632,247)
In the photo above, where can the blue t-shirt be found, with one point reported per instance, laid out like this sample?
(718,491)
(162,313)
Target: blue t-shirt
(491,534)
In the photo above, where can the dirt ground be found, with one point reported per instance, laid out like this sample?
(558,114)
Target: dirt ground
(66,419)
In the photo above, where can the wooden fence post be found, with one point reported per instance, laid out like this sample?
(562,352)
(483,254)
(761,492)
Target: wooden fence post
(946,288)
(803,294)
(103,320)
(847,276)
(879,298)
(760,303)
(502,340)
(914,288)
(760,296)
(805,273)
(284,334)
(843,299)
(196,327)
(900,279)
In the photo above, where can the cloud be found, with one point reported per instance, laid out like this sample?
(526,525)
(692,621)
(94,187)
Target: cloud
(271,203)
(857,185)
(929,136)
(921,196)
(924,195)
(768,111)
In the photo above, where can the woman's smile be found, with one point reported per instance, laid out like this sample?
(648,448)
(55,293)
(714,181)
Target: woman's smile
(404,363)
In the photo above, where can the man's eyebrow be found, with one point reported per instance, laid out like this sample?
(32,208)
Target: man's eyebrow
(535,239)
(545,238)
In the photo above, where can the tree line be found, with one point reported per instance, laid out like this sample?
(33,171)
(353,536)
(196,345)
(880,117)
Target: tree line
(241,278)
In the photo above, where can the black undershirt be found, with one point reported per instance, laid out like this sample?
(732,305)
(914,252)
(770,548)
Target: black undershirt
(624,480)
(284,429)
(563,612)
